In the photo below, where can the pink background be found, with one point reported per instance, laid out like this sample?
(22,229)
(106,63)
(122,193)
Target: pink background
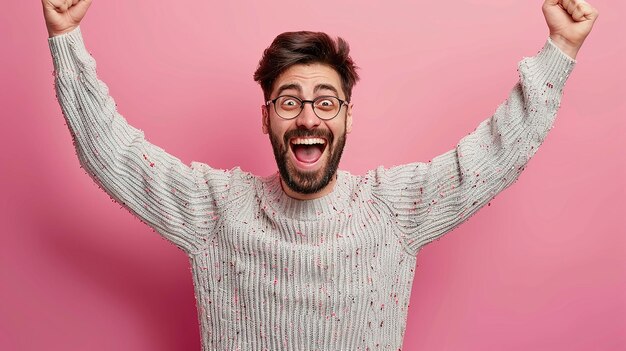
(542,268)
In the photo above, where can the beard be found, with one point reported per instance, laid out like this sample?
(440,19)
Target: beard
(308,182)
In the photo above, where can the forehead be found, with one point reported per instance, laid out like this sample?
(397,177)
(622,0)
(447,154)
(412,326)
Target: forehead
(308,79)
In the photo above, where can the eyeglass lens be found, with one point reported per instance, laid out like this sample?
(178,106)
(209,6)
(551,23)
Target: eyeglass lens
(325,107)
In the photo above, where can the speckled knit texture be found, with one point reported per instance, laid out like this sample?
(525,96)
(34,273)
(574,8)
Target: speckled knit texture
(274,273)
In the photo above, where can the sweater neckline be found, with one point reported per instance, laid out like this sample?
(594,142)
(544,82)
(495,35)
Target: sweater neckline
(275,201)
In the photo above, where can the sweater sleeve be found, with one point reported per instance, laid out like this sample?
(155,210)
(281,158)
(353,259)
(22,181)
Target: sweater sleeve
(430,199)
(178,201)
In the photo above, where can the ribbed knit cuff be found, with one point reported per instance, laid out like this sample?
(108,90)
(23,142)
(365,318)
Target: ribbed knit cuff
(63,49)
(550,67)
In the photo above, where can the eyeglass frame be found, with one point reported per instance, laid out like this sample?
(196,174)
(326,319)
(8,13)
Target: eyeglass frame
(342,103)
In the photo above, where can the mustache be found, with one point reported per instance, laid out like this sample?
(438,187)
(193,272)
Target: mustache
(305,133)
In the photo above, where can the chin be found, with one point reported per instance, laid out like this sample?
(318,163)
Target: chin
(306,182)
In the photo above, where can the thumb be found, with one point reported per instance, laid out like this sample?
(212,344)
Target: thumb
(551,3)
(79,9)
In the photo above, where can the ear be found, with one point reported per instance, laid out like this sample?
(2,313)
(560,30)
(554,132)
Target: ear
(265,120)
(349,118)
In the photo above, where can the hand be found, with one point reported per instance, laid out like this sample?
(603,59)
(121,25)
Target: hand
(569,21)
(63,16)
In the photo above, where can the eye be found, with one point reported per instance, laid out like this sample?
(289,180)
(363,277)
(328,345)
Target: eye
(326,103)
(288,103)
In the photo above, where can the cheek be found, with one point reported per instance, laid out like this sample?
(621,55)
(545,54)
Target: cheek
(279,127)
(338,129)
(278,133)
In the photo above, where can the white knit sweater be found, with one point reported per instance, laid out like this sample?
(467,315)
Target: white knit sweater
(274,273)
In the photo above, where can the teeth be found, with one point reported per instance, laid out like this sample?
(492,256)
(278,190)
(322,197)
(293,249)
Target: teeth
(308,141)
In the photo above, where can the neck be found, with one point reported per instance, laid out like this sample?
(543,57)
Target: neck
(299,196)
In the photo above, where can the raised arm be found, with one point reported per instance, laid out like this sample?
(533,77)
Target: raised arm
(430,199)
(178,201)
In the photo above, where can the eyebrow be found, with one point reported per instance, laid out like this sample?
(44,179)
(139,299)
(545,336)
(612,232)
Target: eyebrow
(289,86)
(298,88)
(326,87)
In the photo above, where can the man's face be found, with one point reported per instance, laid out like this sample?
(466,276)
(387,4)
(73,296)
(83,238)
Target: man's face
(308,149)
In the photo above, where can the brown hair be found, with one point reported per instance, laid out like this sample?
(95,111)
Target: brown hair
(304,47)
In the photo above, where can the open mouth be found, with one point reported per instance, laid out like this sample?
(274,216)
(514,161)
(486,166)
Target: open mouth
(308,150)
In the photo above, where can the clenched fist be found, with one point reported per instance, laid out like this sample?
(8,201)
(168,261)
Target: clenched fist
(63,16)
(569,21)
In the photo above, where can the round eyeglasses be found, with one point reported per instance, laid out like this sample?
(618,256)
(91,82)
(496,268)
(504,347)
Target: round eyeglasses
(290,107)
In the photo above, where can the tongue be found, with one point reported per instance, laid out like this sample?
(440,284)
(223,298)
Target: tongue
(307,153)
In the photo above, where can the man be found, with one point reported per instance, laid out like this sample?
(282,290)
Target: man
(311,257)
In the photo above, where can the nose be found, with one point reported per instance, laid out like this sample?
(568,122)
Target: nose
(307,118)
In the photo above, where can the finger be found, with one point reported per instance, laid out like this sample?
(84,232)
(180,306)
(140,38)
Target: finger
(81,7)
(62,6)
(576,5)
(581,12)
(56,5)
(593,14)
(568,5)
(83,4)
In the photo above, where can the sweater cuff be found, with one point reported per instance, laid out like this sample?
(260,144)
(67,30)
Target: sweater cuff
(64,49)
(550,67)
